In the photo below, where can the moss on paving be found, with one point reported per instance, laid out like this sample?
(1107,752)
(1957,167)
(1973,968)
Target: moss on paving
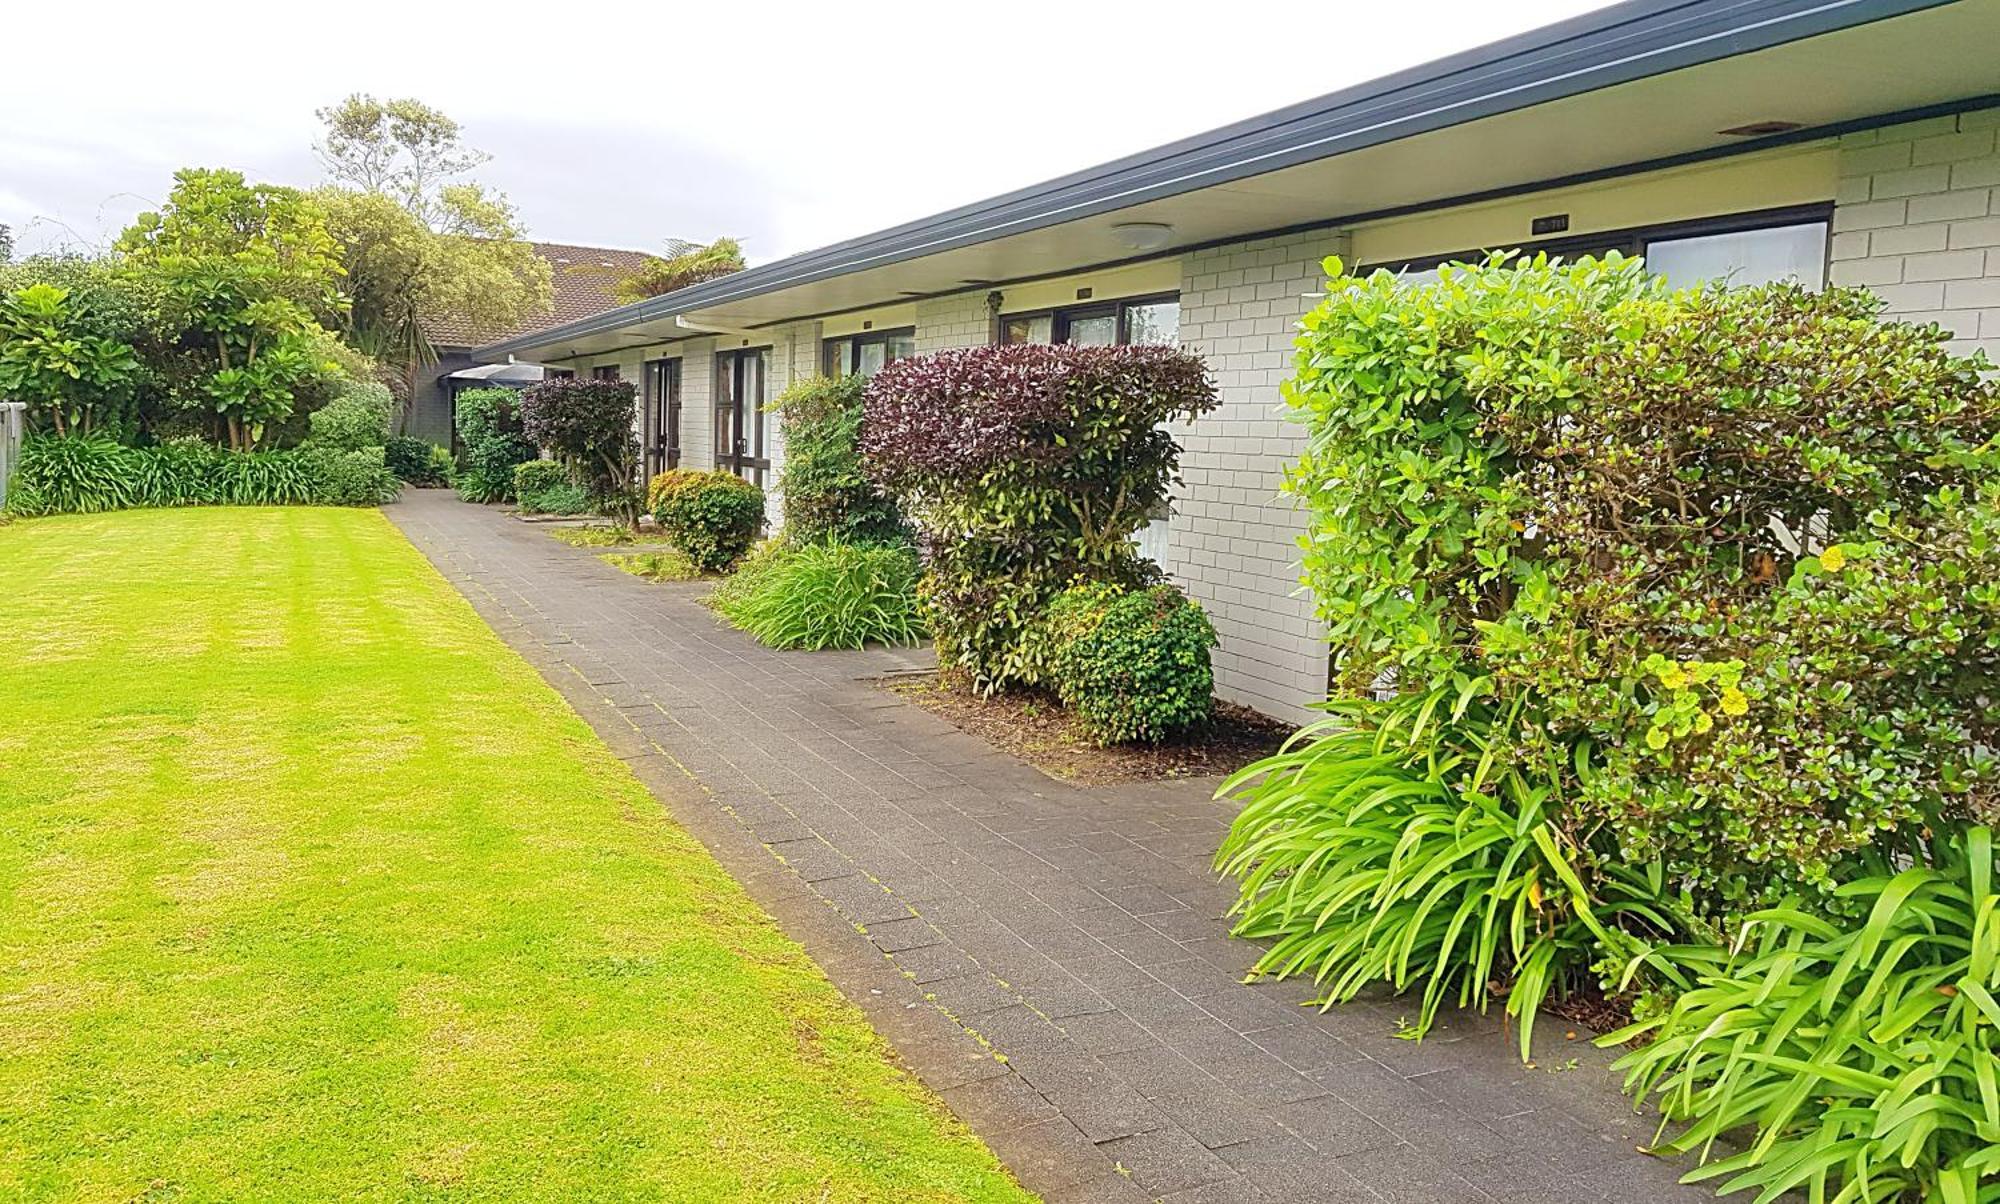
(311,889)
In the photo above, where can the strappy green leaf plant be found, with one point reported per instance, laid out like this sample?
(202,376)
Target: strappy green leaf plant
(1384,844)
(1864,1058)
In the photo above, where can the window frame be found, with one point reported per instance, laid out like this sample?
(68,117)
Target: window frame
(1634,240)
(749,454)
(605,372)
(1062,316)
(562,374)
(853,341)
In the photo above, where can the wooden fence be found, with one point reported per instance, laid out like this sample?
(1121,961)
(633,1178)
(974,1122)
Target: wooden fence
(13,418)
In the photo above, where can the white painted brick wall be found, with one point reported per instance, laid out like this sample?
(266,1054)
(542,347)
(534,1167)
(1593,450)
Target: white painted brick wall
(1233,541)
(1917,221)
(960,320)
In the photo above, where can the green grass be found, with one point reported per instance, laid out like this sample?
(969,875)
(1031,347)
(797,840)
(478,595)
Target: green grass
(654,566)
(595,535)
(311,889)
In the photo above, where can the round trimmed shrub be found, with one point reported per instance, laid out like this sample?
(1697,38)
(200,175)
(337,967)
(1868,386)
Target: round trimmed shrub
(1132,667)
(713,517)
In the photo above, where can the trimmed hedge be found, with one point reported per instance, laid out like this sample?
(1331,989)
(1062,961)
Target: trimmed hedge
(712,517)
(417,462)
(489,428)
(588,426)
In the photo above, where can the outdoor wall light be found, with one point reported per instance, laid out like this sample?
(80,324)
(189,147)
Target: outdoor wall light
(1143,236)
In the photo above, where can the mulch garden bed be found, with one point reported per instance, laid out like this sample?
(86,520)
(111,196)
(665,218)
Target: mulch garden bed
(1035,728)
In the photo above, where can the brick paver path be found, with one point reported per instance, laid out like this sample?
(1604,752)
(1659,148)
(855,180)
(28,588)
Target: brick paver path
(1051,959)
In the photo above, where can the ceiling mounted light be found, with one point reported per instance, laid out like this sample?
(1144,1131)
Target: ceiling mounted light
(1761,129)
(1143,236)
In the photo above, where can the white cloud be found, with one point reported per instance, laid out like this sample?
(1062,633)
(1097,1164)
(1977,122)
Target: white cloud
(790,124)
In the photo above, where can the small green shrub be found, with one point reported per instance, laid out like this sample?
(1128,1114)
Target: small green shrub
(546,487)
(417,462)
(1132,667)
(1865,1054)
(356,419)
(826,595)
(489,428)
(826,495)
(654,566)
(711,516)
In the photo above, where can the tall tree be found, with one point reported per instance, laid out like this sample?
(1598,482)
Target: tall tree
(246,272)
(685,263)
(420,243)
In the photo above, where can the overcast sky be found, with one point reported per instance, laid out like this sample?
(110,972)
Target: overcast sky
(789,125)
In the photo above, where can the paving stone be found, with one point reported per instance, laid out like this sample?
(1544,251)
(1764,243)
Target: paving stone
(1078,930)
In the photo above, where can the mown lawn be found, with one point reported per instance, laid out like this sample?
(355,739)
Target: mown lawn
(311,889)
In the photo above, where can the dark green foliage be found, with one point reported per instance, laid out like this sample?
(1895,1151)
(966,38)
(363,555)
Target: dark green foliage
(588,426)
(356,419)
(489,429)
(711,516)
(1131,666)
(1865,1054)
(1562,481)
(88,474)
(826,595)
(826,494)
(1025,468)
(350,478)
(416,462)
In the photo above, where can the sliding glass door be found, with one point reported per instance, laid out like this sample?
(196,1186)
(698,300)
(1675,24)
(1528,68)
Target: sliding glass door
(739,413)
(661,418)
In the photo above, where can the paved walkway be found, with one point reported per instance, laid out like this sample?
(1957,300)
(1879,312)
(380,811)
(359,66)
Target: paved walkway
(1051,959)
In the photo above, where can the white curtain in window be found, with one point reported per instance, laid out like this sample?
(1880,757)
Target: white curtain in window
(1796,253)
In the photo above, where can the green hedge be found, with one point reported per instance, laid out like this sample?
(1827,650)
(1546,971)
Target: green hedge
(489,429)
(89,474)
(1665,629)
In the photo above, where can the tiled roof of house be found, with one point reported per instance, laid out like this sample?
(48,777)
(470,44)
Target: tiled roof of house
(584,281)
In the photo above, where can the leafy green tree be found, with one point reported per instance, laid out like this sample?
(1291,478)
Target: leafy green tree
(50,359)
(246,272)
(685,263)
(6,243)
(419,244)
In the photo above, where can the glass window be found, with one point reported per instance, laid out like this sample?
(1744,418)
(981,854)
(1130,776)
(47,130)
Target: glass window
(871,356)
(1096,330)
(1037,328)
(867,354)
(604,372)
(1796,253)
(1153,324)
(562,374)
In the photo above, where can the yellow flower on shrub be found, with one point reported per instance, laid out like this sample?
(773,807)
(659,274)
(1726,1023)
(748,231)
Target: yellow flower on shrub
(1833,559)
(1735,702)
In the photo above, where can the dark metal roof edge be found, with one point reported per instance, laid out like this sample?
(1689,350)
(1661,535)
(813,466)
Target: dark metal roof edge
(1619,44)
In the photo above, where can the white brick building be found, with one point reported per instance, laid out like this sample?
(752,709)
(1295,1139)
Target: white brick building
(1856,142)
